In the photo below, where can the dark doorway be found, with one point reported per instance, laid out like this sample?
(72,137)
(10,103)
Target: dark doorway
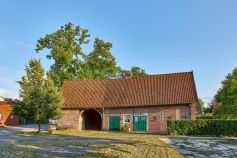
(92,120)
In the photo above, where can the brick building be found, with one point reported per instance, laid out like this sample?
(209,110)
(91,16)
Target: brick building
(6,115)
(142,103)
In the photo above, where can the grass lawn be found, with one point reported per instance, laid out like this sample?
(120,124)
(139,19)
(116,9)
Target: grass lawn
(88,144)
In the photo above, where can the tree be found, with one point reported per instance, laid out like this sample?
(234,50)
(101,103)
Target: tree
(41,100)
(70,62)
(134,71)
(226,97)
(66,52)
(208,109)
(100,63)
(10,101)
(201,102)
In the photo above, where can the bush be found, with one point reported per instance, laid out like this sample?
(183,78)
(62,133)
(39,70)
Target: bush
(206,116)
(126,128)
(203,127)
(64,127)
(52,127)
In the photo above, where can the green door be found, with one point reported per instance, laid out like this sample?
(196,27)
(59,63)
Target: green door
(114,123)
(140,123)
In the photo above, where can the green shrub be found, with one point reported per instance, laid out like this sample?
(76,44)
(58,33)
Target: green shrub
(52,127)
(203,127)
(206,116)
(126,128)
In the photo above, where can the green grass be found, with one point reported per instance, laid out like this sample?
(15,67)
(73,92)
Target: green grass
(86,144)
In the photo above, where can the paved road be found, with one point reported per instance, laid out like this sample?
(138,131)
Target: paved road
(9,133)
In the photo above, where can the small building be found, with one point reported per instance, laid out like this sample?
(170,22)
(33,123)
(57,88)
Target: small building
(141,103)
(6,115)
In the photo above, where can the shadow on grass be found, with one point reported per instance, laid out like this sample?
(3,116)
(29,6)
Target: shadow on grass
(86,144)
(59,145)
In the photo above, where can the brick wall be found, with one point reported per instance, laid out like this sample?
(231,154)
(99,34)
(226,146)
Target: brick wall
(12,120)
(70,119)
(155,119)
(120,112)
(5,111)
(193,111)
(157,116)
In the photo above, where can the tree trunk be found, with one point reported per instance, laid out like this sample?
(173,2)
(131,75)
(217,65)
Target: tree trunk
(39,127)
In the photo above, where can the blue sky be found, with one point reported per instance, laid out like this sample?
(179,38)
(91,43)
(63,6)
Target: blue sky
(160,36)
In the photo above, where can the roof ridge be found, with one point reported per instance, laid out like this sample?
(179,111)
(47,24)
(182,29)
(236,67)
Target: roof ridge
(133,77)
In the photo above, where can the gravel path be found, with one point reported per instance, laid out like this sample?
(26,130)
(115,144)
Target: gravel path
(9,133)
(21,129)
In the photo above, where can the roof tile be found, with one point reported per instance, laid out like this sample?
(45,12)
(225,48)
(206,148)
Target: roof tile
(165,89)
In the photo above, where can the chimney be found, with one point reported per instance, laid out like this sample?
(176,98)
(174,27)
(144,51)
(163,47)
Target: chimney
(128,75)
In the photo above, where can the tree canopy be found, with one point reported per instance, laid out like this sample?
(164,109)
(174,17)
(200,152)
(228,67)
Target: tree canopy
(100,63)
(65,50)
(201,102)
(134,71)
(10,101)
(71,62)
(41,100)
(226,97)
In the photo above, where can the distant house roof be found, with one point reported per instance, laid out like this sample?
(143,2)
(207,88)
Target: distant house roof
(164,89)
(5,111)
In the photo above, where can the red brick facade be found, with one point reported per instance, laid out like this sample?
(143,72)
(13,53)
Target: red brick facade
(151,100)
(70,119)
(12,120)
(7,115)
(157,116)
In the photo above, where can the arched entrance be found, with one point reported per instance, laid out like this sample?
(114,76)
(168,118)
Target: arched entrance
(91,120)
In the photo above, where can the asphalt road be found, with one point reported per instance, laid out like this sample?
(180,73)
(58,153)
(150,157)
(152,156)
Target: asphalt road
(10,132)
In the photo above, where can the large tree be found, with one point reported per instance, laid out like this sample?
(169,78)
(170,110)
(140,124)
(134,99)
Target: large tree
(71,62)
(41,100)
(227,97)
(66,52)
(100,63)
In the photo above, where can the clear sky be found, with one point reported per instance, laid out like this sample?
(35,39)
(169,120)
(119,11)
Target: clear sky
(161,36)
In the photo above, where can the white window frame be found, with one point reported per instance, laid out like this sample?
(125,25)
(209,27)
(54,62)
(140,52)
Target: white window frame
(124,119)
(183,117)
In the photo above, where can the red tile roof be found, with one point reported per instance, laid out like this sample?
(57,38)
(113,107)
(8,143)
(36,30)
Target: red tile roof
(5,110)
(164,89)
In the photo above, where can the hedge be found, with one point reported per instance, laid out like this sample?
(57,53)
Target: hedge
(203,127)
(206,116)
